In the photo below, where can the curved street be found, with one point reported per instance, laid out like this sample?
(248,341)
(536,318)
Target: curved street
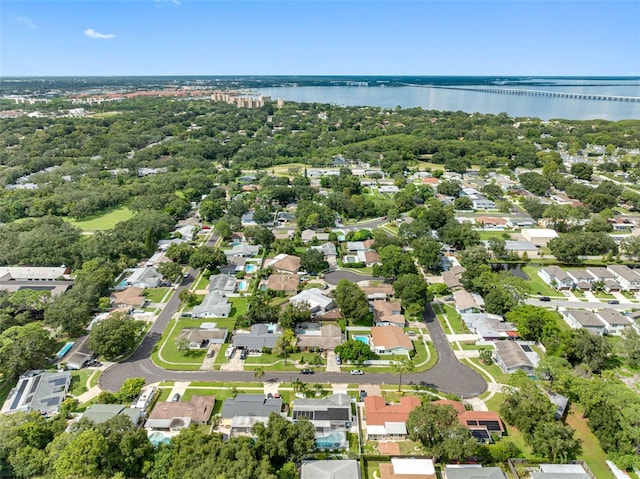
(448,375)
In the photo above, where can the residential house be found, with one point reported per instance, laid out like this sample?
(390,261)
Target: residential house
(214,305)
(466,302)
(390,340)
(560,402)
(309,235)
(561,471)
(369,257)
(317,301)
(628,279)
(331,418)
(388,189)
(243,250)
(288,283)
(188,232)
(284,263)
(491,222)
(247,219)
(577,318)
(614,321)
(38,391)
(328,250)
(240,413)
(330,469)
(259,337)
(388,421)
(177,415)
(224,283)
(472,471)
(622,224)
(235,264)
(381,291)
(314,336)
(519,247)
(520,222)
(556,277)
(482,424)
(581,279)
(55,280)
(200,338)
(99,413)
(163,245)
(407,468)
(512,356)
(128,299)
(79,355)
(388,313)
(489,327)
(606,277)
(452,277)
(146,277)
(538,236)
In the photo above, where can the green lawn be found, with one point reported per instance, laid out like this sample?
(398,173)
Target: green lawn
(155,295)
(93,379)
(203,282)
(103,221)
(455,319)
(592,452)
(79,382)
(578,293)
(191,360)
(487,235)
(603,295)
(492,369)
(536,284)
(240,306)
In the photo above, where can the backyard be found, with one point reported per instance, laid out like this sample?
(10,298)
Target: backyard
(103,221)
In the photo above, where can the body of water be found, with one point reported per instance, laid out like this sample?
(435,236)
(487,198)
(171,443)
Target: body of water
(451,99)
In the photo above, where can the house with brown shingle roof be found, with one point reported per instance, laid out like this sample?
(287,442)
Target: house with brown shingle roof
(284,263)
(390,340)
(174,416)
(465,302)
(381,291)
(130,298)
(388,421)
(313,336)
(284,282)
(387,313)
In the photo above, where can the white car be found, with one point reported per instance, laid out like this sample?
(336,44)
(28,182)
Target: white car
(357,372)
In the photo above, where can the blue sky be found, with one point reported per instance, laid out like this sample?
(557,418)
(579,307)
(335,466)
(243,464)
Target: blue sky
(270,37)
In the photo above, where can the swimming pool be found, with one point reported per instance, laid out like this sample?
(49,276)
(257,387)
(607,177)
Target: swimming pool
(250,268)
(362,339)
(157,438)
(334,440)
(242,285)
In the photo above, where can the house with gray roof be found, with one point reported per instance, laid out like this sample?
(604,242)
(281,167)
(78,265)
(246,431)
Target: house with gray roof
(628,278)
(39,391)
(577,319)
(330,469)
(261,336)
(214,305)
(328,414)
(309,235)
(488,326)
(99,413)
(318,302)
(466,302)
(240,413)
(514,355)
(243,250)
(561,471)
(327,249)
(556,277)
(146,277)
(613,320)
(201,338)
(472,471)
(225,283)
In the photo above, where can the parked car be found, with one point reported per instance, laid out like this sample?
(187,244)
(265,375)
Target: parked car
(613,301)
(306,371)
(176,397)
(338,359)
(186,315)
(244,353)
(545,298)
(357,372)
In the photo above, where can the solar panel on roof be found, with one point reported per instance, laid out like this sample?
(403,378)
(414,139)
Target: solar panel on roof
(472,422)
(480,435)
(490,425)
(526,348)
(18,395)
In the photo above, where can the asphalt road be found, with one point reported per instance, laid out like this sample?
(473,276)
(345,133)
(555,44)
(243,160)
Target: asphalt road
(581,304)
(335,276)
(448,375)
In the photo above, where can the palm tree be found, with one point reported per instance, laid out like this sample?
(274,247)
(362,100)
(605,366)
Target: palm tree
(259,374)
(297,385)
(404,366)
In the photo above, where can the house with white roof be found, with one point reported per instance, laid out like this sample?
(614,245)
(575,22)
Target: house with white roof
(146,277)
(214,305)
(317,301)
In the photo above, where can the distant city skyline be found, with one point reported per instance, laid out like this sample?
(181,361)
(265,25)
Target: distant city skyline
(272,37)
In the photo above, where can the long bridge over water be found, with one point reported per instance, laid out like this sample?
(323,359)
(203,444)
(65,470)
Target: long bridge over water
(522,92)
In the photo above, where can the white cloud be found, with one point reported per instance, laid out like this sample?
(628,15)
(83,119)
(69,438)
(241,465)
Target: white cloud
(27,22)
(91,33)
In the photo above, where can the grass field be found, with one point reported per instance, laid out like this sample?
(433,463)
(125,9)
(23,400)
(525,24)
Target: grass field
(592,452)
(487,235)
(155,295)
(79,382)
(104,221)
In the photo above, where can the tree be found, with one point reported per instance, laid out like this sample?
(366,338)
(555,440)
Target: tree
(449,188)
(535,183)
(170,270)
(462,203)
(282,441)
(23,348)
(260,235)
(179,252)
(589,349)
(82,456)
(437,428)
(115,335)
(208,257)
(353,350)
(498,247)
(211,209)
(631,345)
(534,323)
(555,441)
(499,301)
(130,389)
(294,314)
(525,405)
(286,343)
(394,263)
(258,373)
(187,297)
(486,356)
(351,300)
(404,366)
(459,236)
(312,261)
(412,289)
(223,229)
(70,311)
(582,171)
(427,251)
